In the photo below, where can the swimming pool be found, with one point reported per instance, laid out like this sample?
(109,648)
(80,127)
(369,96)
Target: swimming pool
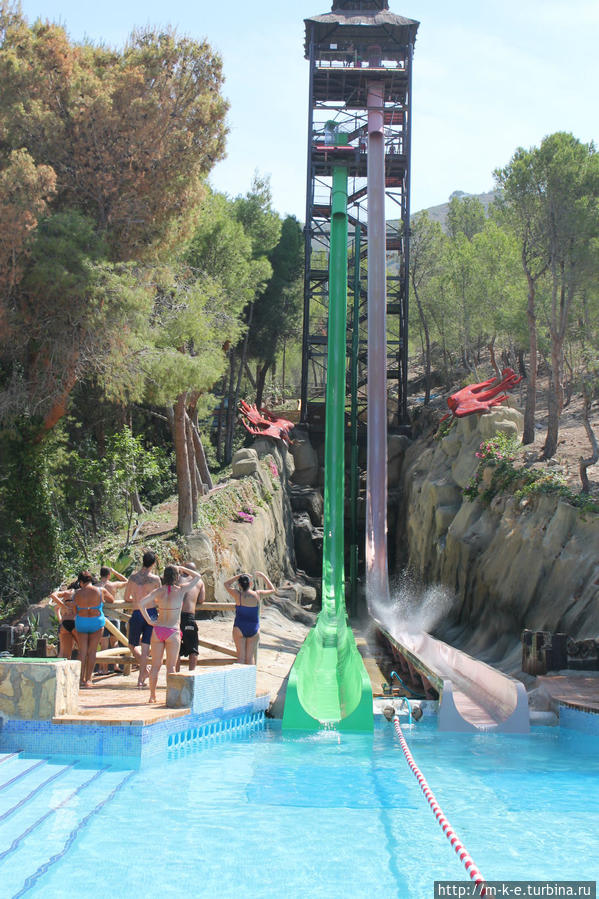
(323,815)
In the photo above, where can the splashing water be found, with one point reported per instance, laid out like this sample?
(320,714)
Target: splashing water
(412,607)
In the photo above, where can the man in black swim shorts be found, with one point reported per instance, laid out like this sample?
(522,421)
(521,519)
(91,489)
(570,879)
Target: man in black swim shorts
(189,625)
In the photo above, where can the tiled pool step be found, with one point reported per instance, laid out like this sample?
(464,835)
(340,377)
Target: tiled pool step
(6,756)
(193,736)
(22,768)
(43,807)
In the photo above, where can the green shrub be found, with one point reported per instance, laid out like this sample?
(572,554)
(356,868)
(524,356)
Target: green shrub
(502,453)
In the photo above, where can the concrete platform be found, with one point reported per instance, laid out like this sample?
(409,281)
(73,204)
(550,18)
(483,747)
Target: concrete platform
(578,691)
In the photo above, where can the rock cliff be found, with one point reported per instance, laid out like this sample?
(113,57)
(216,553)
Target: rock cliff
(263,540)
(513,563)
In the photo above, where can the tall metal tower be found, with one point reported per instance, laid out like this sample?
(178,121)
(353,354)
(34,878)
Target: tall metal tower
(359,45)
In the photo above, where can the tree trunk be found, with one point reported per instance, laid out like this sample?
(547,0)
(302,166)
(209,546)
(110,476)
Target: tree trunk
(219,431)
(230,408)
(283,373)
(194,476)
(60,404)
(200,455)
(136,503)
(592,460)
(555,399)
(260,382)
(569,384)
(427,348)
(491,348)
(185,510)
(233,411)
(250,376)
(528,435)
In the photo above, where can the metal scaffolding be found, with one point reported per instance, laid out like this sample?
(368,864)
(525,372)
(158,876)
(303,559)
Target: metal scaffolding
(349,49)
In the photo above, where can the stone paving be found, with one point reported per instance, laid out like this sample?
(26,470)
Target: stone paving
(579,690)
(116,699)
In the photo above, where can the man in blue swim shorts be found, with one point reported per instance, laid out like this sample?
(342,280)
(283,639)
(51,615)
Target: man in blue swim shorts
(140,632)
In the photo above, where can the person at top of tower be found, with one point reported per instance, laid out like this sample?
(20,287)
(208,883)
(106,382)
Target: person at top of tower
(166,633)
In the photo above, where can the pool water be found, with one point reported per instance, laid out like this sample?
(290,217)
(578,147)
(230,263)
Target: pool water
(324,815)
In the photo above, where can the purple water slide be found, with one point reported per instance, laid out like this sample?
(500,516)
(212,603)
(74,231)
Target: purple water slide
(377,579)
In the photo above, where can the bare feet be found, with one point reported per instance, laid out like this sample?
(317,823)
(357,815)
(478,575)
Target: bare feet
(152,699)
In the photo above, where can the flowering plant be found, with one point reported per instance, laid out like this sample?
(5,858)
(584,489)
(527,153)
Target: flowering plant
(500,457)
(500,453)
(497,448)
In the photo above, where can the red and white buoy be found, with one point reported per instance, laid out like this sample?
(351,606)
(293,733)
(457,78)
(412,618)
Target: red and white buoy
(460,849)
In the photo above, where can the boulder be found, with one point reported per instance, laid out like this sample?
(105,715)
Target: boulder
(305,459)
(269,446)
(202,553)
(301,594)
(308,544)
(307,499)
(290,608)
(397,445)
(245,462)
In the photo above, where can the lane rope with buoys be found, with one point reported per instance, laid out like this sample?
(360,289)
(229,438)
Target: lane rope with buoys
(459,848)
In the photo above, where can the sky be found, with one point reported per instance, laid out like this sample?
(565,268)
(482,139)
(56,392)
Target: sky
(488,77)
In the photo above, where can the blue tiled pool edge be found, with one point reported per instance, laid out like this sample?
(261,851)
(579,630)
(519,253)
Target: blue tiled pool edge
(134,741)
(581,719)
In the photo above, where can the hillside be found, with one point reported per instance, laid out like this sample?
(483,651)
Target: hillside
(439,213)
(436,213)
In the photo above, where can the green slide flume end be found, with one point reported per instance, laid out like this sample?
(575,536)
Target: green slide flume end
(328,684)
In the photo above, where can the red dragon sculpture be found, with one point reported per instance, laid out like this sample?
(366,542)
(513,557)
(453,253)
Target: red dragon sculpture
(481,397)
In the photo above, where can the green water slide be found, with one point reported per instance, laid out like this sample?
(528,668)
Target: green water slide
(328,683)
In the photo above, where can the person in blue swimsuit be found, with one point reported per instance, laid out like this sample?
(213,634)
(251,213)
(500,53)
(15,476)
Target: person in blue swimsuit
(89,622)
(246,627)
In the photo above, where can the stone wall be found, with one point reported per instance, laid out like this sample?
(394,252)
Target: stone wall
(530,563)
(38,690)
(265,544)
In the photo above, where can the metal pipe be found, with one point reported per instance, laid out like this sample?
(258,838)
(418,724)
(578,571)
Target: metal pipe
(354,471)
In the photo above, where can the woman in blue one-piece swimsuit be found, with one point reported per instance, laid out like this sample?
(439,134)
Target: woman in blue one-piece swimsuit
(246,627)
(89,622)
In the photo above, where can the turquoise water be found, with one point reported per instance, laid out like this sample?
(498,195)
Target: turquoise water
(325,815)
